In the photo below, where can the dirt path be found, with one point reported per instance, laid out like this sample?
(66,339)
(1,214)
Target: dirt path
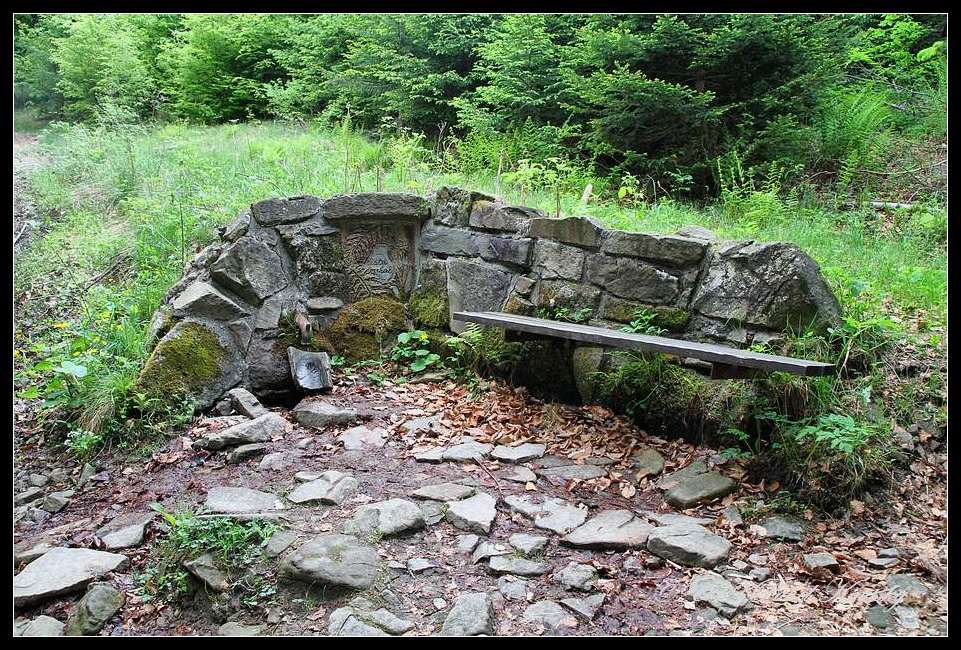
(26,160)
(635,591)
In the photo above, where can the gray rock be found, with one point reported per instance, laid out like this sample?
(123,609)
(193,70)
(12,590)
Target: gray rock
(307,477)
(444,492)
(647,462)
(205,569)
(361,437)
(672,518)
(275,461)
(251,269)
(310,370)
(97,606)
(733,516)
(62,571)
(331,487)
(904,583)
(472,614)
(486,550)
(553,514)
(820,561)
(549,614)
(125,531)
(519,566)
(488,215)
(324,305)
(390,517)
(553,261)
(28,552)
(760,574)
(671,249)
(245,452)
(696,467)
(475,286)
(475,514)
(633,279)
(232,628)
(699,489)
(237,228)
(465,451)
(611,529)
(420,565)
(521,475)
(576,576)
(272,212)
(907,617)
(580,231)
(376,204)
(879,616)
(519,454)
(335,560)
(319,414)
(527,544)
(689,545)
(360,619)
(783,528)
(512,589)
(56,501)
(453,241)
(888,553)
(771,285)
(222,499)
(697,232)
(43,626)
(261,429)
(714,591)
(279,542)
(434,455)
(27,496)
(585,607)
(39,480)
(434,511)
(245,402)
(203,300)
(571,472)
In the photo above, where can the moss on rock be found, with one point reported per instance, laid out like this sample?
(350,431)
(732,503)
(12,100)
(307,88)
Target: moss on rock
(673,319)
(429,310)
(186,362)
(364,329)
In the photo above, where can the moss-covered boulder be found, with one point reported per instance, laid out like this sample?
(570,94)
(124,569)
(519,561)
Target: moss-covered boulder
(194,360)
(364,329)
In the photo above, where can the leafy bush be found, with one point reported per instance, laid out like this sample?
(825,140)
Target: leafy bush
(412,350)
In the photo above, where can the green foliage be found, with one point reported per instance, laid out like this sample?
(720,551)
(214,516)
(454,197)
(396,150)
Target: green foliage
(567,314)
(234,545)
(412,350)
(482,350)
(644,322)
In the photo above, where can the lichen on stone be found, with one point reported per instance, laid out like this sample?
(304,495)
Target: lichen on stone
(363,330)
(183,363)
(429,310)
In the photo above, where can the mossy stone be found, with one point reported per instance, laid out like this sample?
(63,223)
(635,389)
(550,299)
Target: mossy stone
(673,319)
(429,310)
(364,329)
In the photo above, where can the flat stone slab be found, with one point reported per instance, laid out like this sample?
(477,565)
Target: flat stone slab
(647,462)
(465,451)
(572,472)
(361,437)
(521,475)
(486,550)
(512,589)
(62,571)
(699,489)
(205,569)
(434,455)
(336,560)
(232,628)
(820,561)
(475,514)
(125,531)
(472,614)
(712,590)
(390,517)
(361,618)
(549,614)
(43,626)
(500,564)
(671,518)
(698,466)
(245,402)
(319,414)
(331,487)
(280,542)
(576,576)
(444,492)
(553,514)
(527,544)
(519,454)
(611,529)
(261,429)
(223,499)
(585,607)
(243,452)
(783,528)
(688,545)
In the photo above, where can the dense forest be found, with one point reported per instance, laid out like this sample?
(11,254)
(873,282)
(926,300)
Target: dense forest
(684,105)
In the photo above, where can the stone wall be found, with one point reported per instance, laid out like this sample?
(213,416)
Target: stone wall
(361,267)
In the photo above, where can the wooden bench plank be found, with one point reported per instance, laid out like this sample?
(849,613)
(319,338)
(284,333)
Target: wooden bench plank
(613,338)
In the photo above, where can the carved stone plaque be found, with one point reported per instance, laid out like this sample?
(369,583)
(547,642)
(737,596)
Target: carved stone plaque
(379,260)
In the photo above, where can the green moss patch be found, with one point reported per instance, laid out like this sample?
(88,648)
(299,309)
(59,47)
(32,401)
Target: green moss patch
(364,329)
(429,310)
(672,319)
(183,364)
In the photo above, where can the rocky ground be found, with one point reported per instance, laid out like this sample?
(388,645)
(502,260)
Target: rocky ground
(416,509)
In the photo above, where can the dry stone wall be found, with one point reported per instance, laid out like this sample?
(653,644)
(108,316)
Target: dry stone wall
(352,270)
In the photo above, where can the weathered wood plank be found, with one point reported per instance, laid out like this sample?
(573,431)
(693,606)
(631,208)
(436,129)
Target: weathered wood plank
(676,347)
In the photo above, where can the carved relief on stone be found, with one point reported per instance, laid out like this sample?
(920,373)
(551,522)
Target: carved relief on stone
(378,259)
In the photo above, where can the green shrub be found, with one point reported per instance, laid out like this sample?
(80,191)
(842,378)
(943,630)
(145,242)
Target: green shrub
(413,350)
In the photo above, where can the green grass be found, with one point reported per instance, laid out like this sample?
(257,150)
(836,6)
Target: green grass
(142,199)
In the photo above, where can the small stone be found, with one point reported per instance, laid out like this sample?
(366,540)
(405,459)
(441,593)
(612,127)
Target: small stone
(244,402)
(56,501)
(467,543)
(511,588)
(879,616)
(419,565)
(699,489)
(647,462)
(471,615)
(527,544)
(279,542)
(390,517)
(698,466)
(243,452)
(86,473)
(714,591)
(261,429)
(487,550)
(559,516)
(549,614)
(43,626)
(905,583)
(689,545)
(466,451)
(303,443)
(222,499)
(275,461)
(62,571)
(307,477)
(522,475)
(205,569)
(39,480)
(517,566)
(434,455)
(319,414)
(361,437)
(439,603)
(29,552)
(889,552)
(671,519)
(583,472)
(577,576)
(733,516)
(97,606)
(611,529)
(739,565)
(783,528)
(336,560)
(586,607)
(475,514)
(27,496)
(331,487)
(760,574)
(820,561)
(757,559)
(444,492)
(519,454)
(125,531)
(360,619)
(907,617)
(434,511)
(882,562)
(232,628)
